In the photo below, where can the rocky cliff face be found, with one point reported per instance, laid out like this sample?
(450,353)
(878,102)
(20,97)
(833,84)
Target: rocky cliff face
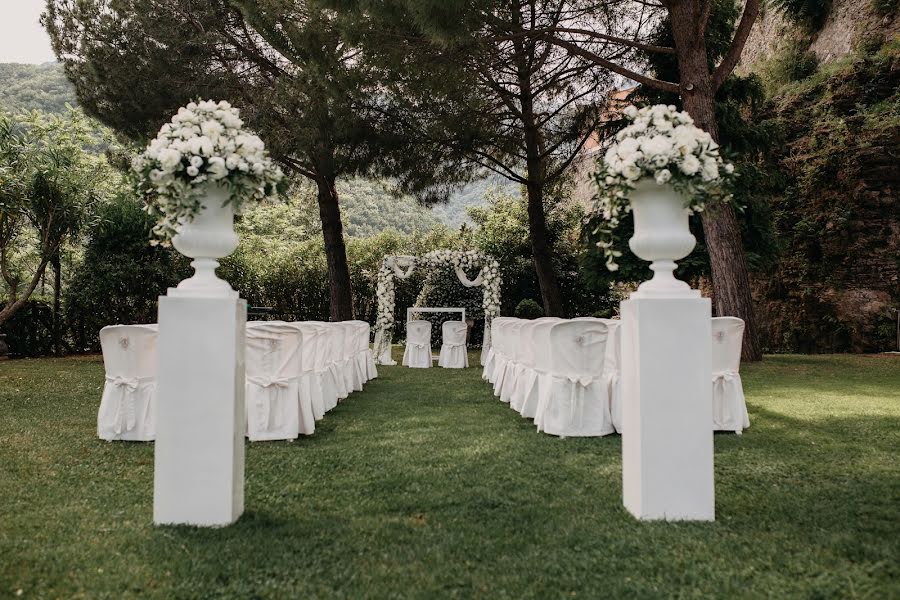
(838,217)
(848,22)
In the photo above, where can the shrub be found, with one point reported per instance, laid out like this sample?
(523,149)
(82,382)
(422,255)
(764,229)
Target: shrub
(528,309)
(121,276)
(29,332)
(806,13)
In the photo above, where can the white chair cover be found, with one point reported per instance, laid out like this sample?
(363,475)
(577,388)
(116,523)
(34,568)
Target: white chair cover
(418,345)
(537,338)
(127,406)
(336,361)
(364,358)
(353,378)
(576,401)
(729,406)
(612,371)
(275,408)
(513,366)
(312,359)
(453,349)
(488,373)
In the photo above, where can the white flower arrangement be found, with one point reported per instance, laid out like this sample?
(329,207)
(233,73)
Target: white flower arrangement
(664,144)
(203,143)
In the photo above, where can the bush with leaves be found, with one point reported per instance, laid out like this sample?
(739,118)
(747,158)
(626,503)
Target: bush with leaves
(529,309)
(121,276)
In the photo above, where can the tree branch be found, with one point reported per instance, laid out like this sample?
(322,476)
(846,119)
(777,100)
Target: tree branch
(751,10)
(658,84)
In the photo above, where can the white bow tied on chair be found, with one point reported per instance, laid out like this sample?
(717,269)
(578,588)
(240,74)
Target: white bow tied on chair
(576,398)
(125,410)
(720,379)
(265,408)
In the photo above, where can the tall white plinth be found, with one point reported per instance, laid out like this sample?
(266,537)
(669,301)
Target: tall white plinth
(199,462)
(667,437)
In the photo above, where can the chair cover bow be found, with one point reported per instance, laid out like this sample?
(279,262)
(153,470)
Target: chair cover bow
(126,413)
(264,407)
(263,381)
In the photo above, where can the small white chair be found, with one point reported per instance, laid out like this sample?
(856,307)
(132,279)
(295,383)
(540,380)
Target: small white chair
(729,406)
(575,402)
(417,354)
(128,403)
(453,348)
(513,340)
(537,338)
(275,408)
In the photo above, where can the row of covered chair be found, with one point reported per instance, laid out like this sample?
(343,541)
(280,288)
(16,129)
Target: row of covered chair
(295,373)
(565,373)
(417,353)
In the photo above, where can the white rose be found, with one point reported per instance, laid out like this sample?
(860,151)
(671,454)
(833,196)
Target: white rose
(211,129)
(217,168)
(627,146)
(196,161)
(631,172)
(193,171)
(630,111)
(690,165)
(201,145)
(729,168)
(658,145)
(663,176)
(710,170)
(169,159)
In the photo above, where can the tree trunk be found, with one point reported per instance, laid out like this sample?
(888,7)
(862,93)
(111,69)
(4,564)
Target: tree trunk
(57,281)
(541,247)
(542,252)
(335,251)
(731,281)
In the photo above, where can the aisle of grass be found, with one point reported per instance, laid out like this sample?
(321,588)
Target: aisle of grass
(424,486)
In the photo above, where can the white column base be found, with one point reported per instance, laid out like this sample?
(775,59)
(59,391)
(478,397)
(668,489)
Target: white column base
(199,453)
(667,437)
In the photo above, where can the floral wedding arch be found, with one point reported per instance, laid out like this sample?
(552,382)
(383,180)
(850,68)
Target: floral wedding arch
(401,267)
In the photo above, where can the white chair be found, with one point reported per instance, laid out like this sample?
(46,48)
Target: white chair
(322,364)
(353,378)
(612,371)
(536,338)
(729,406)
(128,403)
(311,360)
(576,399)
(502,357)
(488,373)
(513,369)
(363,356)
(336,360)
(453,347)
(275,408)
(417,354)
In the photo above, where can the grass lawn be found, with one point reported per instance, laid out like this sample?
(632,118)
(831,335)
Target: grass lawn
(425,486)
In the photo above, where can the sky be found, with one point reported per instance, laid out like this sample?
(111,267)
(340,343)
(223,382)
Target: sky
(22,39)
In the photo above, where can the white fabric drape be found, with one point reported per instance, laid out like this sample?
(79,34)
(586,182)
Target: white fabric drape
(464,279)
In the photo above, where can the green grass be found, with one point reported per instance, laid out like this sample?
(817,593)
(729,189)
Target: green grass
(424,486)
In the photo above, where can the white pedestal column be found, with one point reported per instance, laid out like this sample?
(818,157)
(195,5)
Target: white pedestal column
(667,438)
(199,454)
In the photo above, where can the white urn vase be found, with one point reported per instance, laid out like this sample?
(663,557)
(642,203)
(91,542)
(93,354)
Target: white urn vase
(206,238)
(662,236)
